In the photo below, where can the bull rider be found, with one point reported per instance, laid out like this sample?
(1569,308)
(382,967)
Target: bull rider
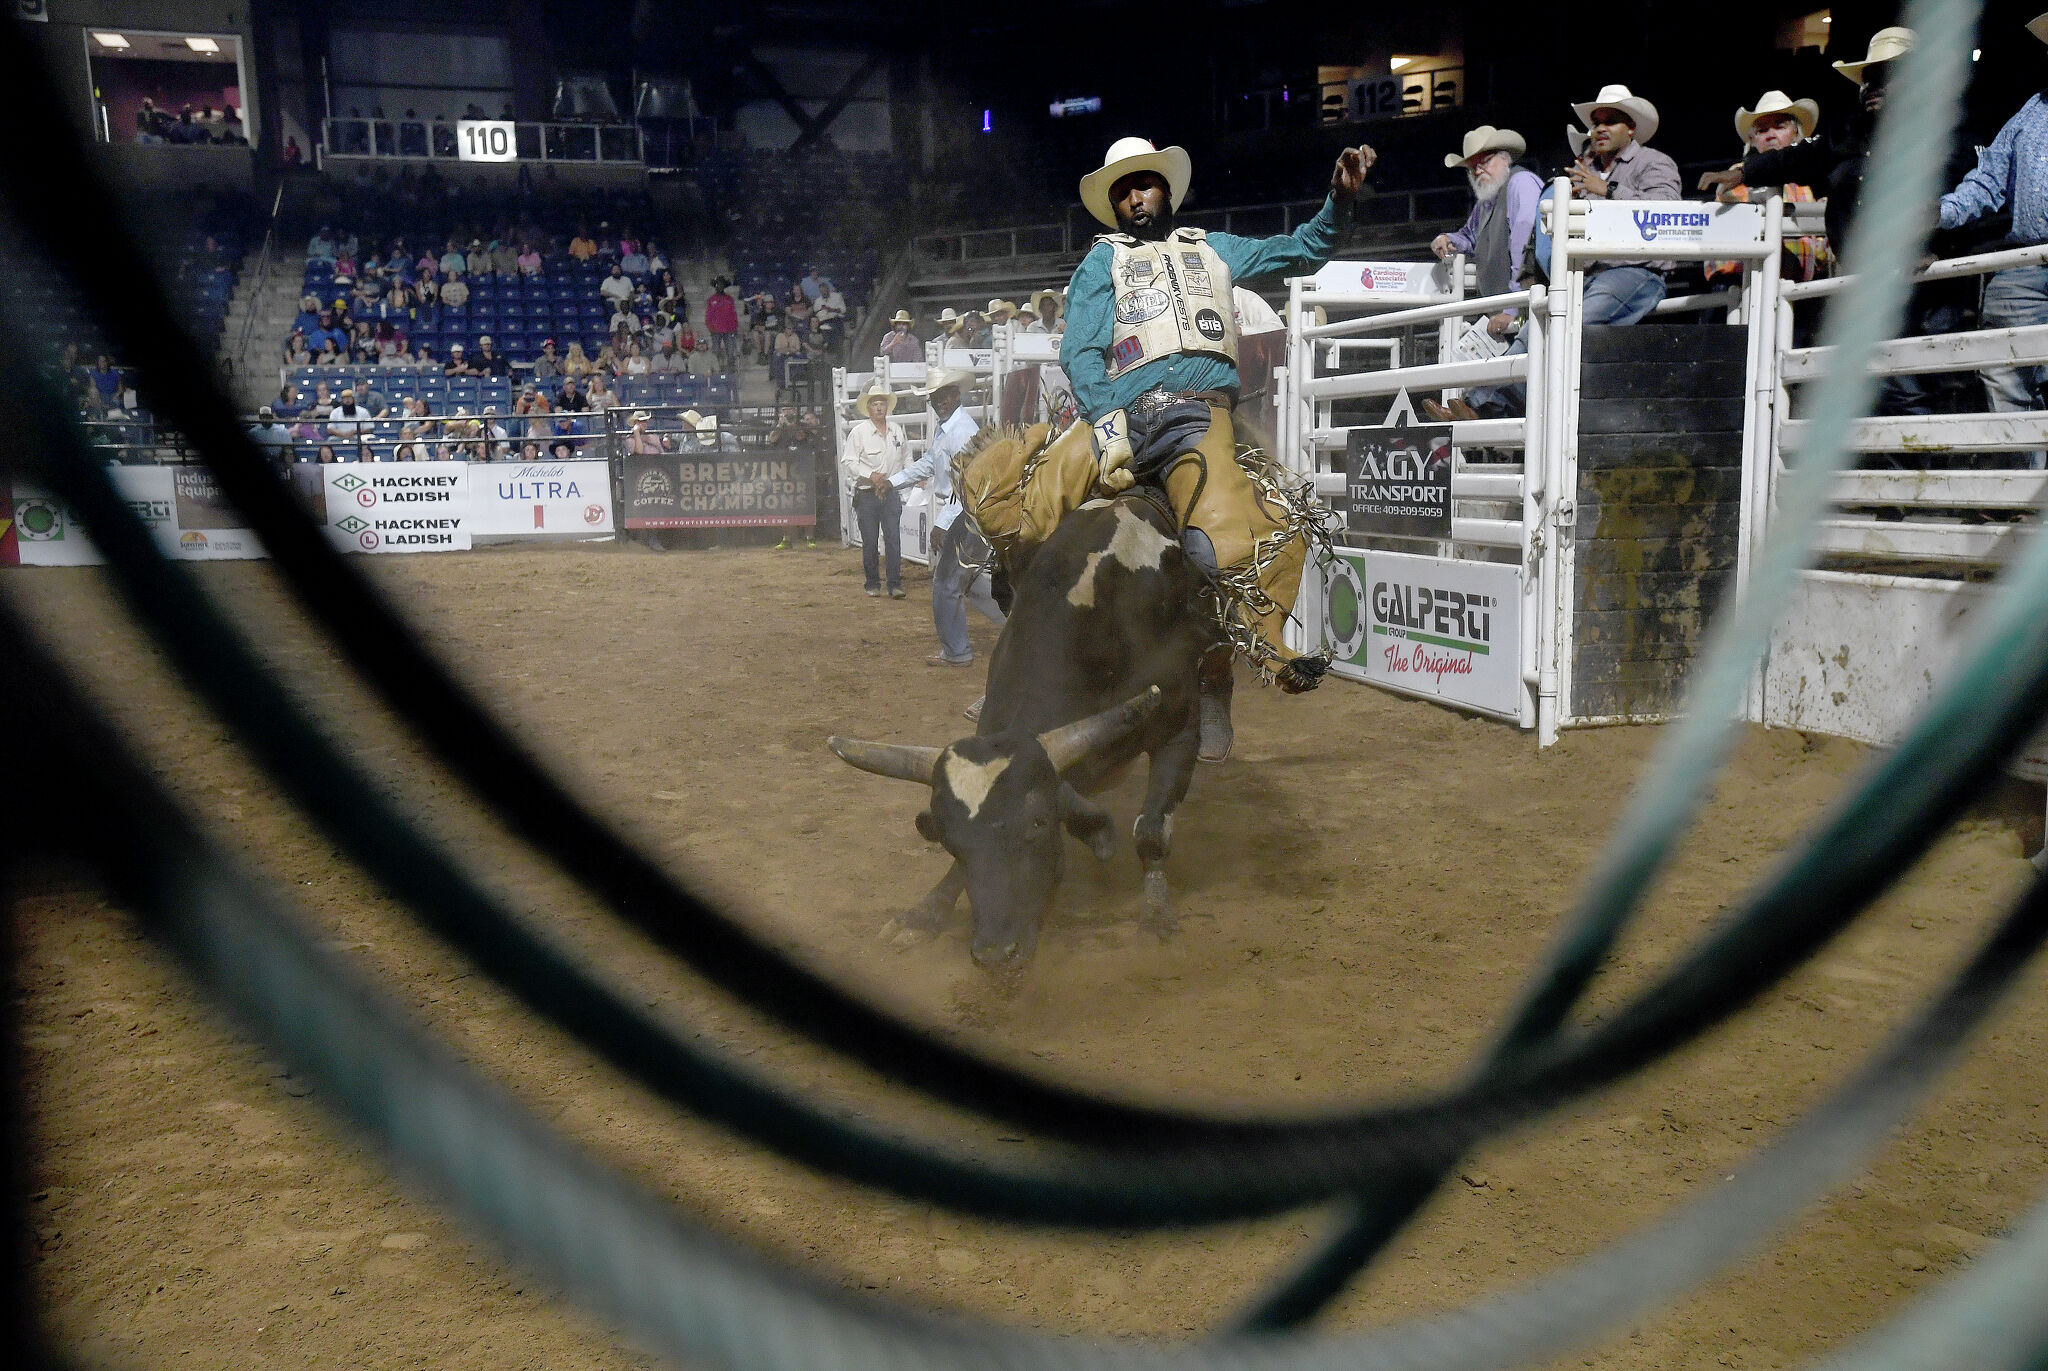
(1151,351)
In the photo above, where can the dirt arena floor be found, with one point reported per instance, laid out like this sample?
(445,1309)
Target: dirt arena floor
(1362,888)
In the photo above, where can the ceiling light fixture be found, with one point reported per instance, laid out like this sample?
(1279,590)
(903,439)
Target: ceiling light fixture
(110,40)
(202,45)
(1400,62)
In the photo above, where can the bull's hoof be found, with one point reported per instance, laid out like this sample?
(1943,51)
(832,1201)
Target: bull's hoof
(1303,674)
(1158,919)
(1217,733)
(899,935)
(1102,842)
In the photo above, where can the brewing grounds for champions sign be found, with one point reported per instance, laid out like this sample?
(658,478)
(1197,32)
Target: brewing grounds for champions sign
(719,490)
(1398,481)
(1427,626)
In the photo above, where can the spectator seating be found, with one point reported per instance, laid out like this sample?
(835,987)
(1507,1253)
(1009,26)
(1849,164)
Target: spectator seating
(517,313)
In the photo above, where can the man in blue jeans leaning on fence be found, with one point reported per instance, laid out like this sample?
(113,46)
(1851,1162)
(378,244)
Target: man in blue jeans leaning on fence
(957,550)
(2012,172)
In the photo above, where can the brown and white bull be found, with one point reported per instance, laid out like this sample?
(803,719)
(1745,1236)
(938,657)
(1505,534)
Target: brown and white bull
(1098,664)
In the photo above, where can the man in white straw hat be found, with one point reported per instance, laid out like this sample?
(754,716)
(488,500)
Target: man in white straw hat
(957,552)
(900,344)
(2012,174)
(1619,165)
(1836,173)
(1497,232)
(872,453)
(1151,351)
(1046,305)
(1614,166)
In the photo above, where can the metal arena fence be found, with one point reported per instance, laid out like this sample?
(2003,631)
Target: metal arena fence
(1106,1165)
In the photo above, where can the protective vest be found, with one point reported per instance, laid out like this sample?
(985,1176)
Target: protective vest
(1172,296)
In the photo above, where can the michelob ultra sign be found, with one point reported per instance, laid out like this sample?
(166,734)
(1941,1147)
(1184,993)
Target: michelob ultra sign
(1427,626)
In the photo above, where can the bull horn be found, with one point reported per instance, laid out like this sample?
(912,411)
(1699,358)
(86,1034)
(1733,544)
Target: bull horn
(899,761)
(1069,743)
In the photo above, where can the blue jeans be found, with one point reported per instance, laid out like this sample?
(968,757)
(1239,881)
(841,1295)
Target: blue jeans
(2015,299)
(955,586)
(880,514)
(1618,295)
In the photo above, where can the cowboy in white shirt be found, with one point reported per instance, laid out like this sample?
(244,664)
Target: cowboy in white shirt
(958,551)
(873,452)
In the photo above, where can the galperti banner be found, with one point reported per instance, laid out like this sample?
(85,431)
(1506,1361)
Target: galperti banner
(385,507)
(719,490)
(180,506)
(1429,626)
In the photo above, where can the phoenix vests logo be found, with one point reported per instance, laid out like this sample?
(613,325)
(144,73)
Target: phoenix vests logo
(1684,224)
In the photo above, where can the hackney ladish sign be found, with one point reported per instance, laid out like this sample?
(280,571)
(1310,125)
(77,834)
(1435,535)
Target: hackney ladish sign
(1427,626)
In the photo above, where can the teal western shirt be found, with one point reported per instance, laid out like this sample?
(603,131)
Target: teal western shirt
(1091,314)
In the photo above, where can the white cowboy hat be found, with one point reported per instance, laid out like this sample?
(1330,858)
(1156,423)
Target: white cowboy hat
(860,405)
(1576,139)
(706,423)
(1039,297)
(1885,45)
(901,316)
(949,315)
(1487,138)
(946,376)
(1639,110)
(641,416)
(1029,307)
(2038,26)
(1806,112)
(996,307)
(1125,156)
(688,418)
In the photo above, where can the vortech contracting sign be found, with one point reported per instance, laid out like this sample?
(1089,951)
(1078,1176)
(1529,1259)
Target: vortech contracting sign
(1672,223)
(719,490)
(1398,481)
(398,506)
(1427,626)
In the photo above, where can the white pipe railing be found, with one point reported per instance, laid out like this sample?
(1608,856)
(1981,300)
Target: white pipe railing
(1407,318)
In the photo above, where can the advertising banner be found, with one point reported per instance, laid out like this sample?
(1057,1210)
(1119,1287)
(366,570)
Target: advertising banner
(1430,279)
(720,490)
(205,526)
(386,507)
(1428,626)
(540,500)
(1398,481)
(1685,226)
(44,531)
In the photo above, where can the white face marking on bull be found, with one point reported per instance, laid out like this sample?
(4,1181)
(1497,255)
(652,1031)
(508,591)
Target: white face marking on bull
(971,782)
(1136,545)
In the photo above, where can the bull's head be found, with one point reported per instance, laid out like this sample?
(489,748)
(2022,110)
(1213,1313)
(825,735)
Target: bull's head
(996,807)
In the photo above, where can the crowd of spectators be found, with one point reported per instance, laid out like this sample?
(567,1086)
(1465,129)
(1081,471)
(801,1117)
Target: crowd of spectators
(190,125)
(1789,152)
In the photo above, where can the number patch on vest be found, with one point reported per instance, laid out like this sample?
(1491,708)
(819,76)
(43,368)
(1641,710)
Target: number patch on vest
(1209,324)
(1135,307)
(1139,271)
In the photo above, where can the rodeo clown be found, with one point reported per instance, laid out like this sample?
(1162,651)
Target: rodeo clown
(1151,352)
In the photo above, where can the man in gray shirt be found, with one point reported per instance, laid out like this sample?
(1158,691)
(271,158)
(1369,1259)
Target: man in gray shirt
(1616,165)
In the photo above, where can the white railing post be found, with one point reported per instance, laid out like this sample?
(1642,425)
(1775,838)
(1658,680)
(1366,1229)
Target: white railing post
(1560,469)
(1535,499)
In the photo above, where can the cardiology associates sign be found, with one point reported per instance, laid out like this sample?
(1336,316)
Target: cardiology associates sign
(1427,626)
